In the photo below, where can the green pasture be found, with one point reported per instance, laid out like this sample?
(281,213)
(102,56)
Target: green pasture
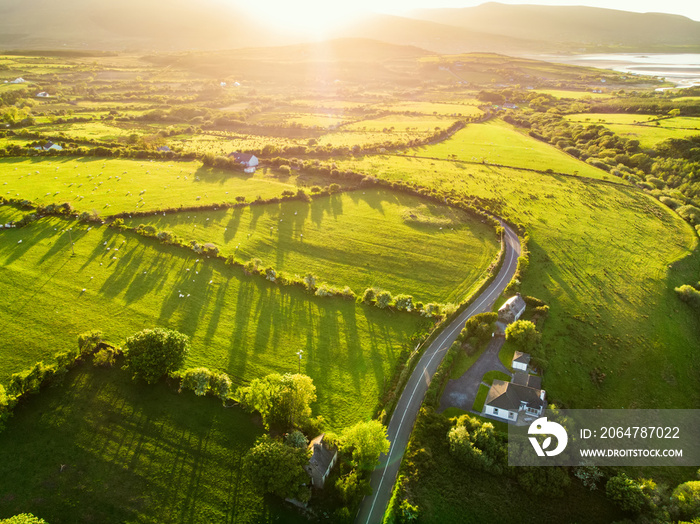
(467,108)
(611,118)
(110,186)
(606,259)
(102,448)
(576,95)
(649,135)
(496,142)
(223,145)
(246,326)
(417,124)
(10,213)
(360,239)
(329,103)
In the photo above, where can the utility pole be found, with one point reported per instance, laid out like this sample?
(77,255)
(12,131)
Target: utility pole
(299,353)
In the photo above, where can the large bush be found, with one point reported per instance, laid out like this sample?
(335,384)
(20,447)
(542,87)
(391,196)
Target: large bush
(685,500)
(152,353)
(523,334)
(277,468)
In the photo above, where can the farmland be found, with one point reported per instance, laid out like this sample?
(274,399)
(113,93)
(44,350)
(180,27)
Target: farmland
(496,142)
(595,259)
(361,239)
(111,186)
(101,448)
(245,326)
(649,130)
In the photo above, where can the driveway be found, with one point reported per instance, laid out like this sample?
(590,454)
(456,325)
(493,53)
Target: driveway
(461,392)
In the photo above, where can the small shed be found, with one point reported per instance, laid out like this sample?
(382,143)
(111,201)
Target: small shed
(321,462)
(512,309)
(520,360)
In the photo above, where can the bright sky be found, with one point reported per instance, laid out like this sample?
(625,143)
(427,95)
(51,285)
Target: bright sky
(310,15)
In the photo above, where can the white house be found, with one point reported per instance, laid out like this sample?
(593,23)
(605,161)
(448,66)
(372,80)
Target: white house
(520,361)
(43,94)
(512,309)
(49,146)
(250,162)
(18,80)
(321,462)
(522,396)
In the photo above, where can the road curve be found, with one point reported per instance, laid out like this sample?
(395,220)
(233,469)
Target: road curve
(401,424)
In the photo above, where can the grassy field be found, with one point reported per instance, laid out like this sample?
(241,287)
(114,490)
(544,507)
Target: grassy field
(596,259)
(576,95)
(647,130)
(10,213)
(417,124)
(248,327)
(496,142)
(361,239)
(102,448)
(467,108)
(111,186)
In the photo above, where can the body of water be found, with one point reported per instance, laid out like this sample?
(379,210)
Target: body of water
(683,69)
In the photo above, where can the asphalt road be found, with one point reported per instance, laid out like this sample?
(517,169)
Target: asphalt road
(401,424)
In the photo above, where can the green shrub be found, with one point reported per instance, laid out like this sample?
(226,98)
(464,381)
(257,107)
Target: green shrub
(685,500)
(88,341)
(152,353)
(369,295)
(196,379)
(30,380)
(23,518)
(689,294)
(383,299)
(626,493)
(104,358)
(523,334)
(689,213)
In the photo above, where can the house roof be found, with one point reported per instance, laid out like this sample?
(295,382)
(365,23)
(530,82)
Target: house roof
(521,358)
(322,457)
(241,157)
(509,396)
(516,304)
(524,379)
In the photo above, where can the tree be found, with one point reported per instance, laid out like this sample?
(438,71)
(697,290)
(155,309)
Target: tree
(383,299)
(685,500)
(277,468)
(283,401)
(365,441)
(626,493)
(296,439)
(524,334)
(152,353)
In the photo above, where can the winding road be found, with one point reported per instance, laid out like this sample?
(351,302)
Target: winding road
(401,424)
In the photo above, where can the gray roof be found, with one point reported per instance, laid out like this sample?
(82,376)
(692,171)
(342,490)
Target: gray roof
(242,157)
(521,358)
(516,304)
(321,460)
(509,396)
(524,379)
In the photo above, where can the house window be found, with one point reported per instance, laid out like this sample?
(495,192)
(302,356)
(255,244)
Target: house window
(495,411)
(511,415)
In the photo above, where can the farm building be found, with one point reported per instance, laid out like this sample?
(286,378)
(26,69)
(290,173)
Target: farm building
(43,94)
(522,396)
(520,361)
(247,160)
(49,146)
(18,80)
(512,309)
(321,462)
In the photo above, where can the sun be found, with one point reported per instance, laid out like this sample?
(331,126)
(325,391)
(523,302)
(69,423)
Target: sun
(313,18)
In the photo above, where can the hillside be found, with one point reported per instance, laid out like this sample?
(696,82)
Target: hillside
(567,26)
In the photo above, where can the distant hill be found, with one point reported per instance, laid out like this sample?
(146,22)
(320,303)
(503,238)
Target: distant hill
(440,37)
(571,26)
(129,24)
(179,25)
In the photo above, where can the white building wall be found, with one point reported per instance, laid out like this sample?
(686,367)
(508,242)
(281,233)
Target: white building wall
(502,413)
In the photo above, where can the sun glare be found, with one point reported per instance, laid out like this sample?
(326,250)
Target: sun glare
(313,18)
